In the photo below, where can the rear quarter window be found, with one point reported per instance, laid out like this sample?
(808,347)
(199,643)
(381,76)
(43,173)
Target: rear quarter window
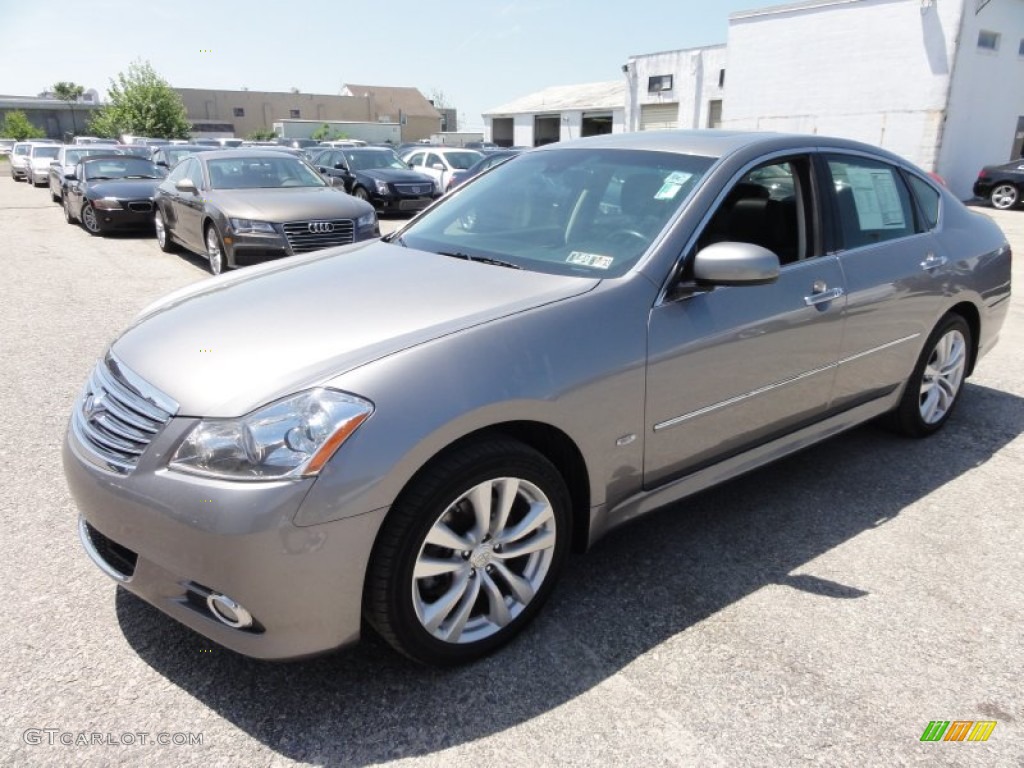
(927,198)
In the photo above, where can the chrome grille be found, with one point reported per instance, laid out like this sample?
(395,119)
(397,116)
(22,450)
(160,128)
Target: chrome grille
(414,189)
(305,236)
(118,415)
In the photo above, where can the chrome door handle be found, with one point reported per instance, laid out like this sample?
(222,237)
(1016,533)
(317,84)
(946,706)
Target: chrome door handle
(823,296)
(931,261)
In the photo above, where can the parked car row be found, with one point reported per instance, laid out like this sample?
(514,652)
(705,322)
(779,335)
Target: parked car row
(231,206)
(411,434)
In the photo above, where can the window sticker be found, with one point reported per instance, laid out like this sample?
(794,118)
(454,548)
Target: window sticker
(876,197)
(678,177)
(590,260)
(673,183)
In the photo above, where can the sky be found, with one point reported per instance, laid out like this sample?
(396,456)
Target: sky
(479,54)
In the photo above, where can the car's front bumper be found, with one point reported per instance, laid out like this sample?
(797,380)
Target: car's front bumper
(402,203)
(139,216)
(190,537)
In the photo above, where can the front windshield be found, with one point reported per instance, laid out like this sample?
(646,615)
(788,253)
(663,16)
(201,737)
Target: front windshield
(74,155)
(124,167)
(460,161)
(589,212)
(367,159)
(46,152)
(265,172)
(136,150)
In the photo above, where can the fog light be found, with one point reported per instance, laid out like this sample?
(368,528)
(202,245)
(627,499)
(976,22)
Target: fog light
(227,611)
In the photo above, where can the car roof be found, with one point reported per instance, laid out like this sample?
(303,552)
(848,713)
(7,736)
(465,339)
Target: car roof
(218,154)
(716,143)
(122,156)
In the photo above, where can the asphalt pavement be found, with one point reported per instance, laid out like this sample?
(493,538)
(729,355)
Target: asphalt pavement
(820,611)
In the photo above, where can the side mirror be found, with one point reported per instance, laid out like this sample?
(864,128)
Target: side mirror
(438,167)
(185,185)
(735,264)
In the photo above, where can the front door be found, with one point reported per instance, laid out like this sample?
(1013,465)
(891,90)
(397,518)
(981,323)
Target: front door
(737,366)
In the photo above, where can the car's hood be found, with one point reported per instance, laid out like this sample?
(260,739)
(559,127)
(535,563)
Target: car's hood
(289,204)
(122,189)
(225,346)
(41,162)
(397,174)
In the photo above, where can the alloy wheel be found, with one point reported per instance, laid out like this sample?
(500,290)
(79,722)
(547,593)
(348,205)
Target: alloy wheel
(1004,196)
(89,220)
(214,251)
(943,376)
(483,560)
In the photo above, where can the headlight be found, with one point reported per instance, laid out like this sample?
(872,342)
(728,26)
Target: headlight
(293,437)
(367,220)
(107,204)
(382,186)
(251,227)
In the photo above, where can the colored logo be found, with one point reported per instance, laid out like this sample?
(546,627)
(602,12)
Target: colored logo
(958,730)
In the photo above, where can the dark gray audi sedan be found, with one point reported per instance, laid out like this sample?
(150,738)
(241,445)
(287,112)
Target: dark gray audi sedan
(243,206)
(411,434)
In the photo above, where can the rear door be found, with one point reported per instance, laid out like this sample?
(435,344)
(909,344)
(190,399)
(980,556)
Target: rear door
(894,270)
(733,367)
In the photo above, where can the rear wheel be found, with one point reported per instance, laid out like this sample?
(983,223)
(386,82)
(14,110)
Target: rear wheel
(469,552)
(1004,196)
(934,388)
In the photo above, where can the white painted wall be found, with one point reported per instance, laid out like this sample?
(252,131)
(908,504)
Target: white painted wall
(873,70)
(695,74)
(522,130)
(572,124)
(986,98)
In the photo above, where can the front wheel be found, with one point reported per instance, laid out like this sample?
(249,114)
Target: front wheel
(934,388)
(361,194)
(68,216)
(163,238)
(89,219)
(1004,196)
(215,250)
(469,552)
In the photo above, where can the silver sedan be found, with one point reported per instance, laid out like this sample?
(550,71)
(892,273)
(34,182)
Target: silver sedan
(411,434)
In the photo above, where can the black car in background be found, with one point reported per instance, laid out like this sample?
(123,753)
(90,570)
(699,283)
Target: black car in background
(377,175)
(1001,185)
(489,160)
(169,156)
(111,192)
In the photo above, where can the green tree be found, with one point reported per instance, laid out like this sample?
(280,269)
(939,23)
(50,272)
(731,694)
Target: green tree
(142,103)
(17,126)
(261,134)
(69,92)
(326,133)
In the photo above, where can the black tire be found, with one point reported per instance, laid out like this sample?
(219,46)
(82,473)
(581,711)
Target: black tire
(166,244)
(90,222)
(388,598)
(361,194)
(54,197)
(908,418)
(68,217)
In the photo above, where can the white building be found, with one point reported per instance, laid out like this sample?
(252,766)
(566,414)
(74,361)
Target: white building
(940,82)
(675,89)
(558,114)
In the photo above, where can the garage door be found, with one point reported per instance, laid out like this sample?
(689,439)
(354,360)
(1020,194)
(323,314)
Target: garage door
(659,117)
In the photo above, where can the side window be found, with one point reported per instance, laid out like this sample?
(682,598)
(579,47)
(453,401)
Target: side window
(927,198)
(873,203)
(769,206)
(416,158)
(180,171)
(433,160)
(195,172)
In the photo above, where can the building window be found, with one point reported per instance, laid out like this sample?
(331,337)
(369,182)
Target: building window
(715,114)
(659,83)
(721,78)
(988,41)
(295,114)
(239,112)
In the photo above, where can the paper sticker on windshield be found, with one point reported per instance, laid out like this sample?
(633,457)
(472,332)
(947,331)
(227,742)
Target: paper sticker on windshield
(678,177)
(590,259)
(673,183)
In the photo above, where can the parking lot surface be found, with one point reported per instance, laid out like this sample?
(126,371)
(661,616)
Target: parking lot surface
(822,610)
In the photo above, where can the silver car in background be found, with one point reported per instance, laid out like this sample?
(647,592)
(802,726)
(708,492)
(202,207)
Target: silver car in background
(414,432)
(66,160)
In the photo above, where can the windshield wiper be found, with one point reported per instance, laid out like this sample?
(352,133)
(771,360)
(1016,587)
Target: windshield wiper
(100,178)
(141,176)
(481,259)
